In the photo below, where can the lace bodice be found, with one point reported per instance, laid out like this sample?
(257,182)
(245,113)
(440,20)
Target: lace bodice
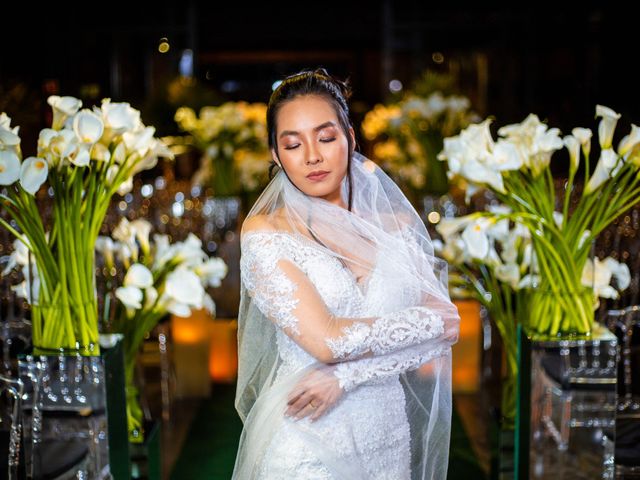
(303,290)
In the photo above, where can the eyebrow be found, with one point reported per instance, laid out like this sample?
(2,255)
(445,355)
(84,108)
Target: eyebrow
(316,129)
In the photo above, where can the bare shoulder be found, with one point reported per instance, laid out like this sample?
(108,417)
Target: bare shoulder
(258,223)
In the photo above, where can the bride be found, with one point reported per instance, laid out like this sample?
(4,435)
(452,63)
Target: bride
(345,322)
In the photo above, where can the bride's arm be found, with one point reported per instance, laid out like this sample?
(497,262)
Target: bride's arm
(284,293)
(370,370)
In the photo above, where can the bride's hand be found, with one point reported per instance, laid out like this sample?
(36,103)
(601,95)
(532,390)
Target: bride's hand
(314,394)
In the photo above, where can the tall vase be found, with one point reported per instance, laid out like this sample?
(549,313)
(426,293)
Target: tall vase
(64,415)
(559,312)
(565,424)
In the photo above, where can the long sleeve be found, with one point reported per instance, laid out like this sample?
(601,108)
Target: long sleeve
(370,370)
(271,273)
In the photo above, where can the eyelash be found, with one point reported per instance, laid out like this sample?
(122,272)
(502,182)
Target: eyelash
(323,140)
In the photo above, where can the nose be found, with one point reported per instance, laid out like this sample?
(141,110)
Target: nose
(313,156)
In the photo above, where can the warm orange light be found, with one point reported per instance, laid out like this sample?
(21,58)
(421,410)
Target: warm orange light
(223,355)
(193,329)
(466,352)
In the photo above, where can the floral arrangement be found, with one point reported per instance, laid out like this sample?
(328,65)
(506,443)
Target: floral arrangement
(516,168)
(495,263)
(85,157)
(156,279)
(408,136)
(233,140)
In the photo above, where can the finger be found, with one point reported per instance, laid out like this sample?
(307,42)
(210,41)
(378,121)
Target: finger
(305,412)
(294,395)
(319,412)
(299,404)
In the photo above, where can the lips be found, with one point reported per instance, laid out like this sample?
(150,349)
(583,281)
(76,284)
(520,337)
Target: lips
(317,175)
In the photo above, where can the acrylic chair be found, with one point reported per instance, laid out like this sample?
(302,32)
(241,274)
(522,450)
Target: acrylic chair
(14,389)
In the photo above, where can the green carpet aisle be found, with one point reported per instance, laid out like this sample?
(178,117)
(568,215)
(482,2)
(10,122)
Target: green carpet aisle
(210,447)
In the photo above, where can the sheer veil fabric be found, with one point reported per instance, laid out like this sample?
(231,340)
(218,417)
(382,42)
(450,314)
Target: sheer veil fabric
(382,234)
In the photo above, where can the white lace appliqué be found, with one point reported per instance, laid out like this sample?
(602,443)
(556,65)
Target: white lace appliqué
(271,290)
(372,370)
(387,334)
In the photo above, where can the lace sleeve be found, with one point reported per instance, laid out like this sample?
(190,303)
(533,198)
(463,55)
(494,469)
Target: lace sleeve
(285,295)
(371,370)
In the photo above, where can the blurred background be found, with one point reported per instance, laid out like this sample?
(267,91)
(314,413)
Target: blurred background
(549,58)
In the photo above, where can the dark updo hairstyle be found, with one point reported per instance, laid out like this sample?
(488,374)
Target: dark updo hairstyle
(313,82)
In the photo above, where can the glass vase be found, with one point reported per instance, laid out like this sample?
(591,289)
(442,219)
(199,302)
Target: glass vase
(560,313)
(64,414)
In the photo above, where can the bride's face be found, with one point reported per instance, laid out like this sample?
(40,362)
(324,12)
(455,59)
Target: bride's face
(312,147)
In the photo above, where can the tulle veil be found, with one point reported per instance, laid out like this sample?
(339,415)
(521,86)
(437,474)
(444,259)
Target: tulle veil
(381,224)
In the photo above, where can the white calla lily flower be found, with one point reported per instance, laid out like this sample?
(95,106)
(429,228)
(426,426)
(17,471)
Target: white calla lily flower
(629,141)
(607,125)
(8,139)
(620,272)
(150,297)
(183,286)
(63,108)
(138,276)
(100,153)
(476,240)
(607,166)
(131,297)
(119,117)
(584,137)
(88,127)
(33,173)
(509,273)
(141,229)
(573,147)
(212,271)
(9,167)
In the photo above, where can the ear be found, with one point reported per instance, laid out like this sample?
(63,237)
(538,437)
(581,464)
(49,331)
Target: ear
(352,134)
(275,157)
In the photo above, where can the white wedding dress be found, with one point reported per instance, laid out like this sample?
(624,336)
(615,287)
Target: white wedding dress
(368,425)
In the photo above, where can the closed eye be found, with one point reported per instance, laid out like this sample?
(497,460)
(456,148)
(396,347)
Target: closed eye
(292,147)
(327,140)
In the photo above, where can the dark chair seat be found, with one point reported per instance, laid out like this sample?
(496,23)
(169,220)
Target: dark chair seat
(579,379)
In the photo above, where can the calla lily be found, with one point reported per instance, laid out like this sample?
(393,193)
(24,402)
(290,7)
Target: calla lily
(509,273)
(184,286)
(138,276)
(598,274)
(141,230)
(131,297)
(629,141)
(44,140)
(607,125)
(573,147)
(126,186)
(9,167)
(212,271)
(620,272)
(119,117)
(106,247)
(150,297)
(88,127)
(80,157)
(506,156)
(33,174)
(100,153)
(8,140)
(208,304)
(584,137)
(476,240)
(63,108)
(448,227)
(139,141)
(605,168)
(5,121)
